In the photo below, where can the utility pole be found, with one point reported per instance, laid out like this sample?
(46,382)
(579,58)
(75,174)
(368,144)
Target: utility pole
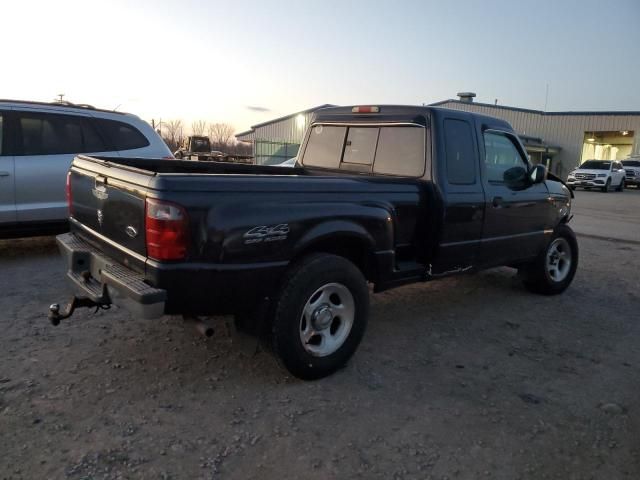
(546,98)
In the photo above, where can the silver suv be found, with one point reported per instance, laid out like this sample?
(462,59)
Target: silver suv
(37,144)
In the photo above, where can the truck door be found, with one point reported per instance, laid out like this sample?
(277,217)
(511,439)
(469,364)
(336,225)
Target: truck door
(463,197)
(7,177)
(516,214)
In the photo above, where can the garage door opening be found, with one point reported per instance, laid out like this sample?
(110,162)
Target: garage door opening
(611,145)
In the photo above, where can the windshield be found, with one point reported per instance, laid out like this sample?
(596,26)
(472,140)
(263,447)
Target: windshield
(595,165)
(631,163)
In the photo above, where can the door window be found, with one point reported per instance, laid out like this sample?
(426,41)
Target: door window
(501,154)
(460,154)
(1,137)
(53,134)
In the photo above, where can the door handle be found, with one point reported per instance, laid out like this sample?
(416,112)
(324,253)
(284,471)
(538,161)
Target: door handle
(497,202)
(4,174)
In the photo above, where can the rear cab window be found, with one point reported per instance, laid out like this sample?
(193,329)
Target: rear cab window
(378,149)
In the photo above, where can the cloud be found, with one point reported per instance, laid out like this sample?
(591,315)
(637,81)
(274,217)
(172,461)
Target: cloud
(255,108)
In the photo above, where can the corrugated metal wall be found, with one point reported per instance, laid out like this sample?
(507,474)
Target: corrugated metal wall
(565,130)
(287,131)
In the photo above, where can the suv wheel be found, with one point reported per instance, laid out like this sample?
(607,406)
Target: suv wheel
(605,189)
(320,316)
(620,187)
(552,272)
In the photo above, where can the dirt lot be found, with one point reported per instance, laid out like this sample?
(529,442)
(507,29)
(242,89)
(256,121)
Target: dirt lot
(471,377)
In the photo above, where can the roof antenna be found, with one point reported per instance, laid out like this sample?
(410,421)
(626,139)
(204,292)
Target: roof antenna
(119,105)
(60,100)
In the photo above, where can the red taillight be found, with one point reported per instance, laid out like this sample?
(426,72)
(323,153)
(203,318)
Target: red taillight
(167,230)
(368,109)
(69,194)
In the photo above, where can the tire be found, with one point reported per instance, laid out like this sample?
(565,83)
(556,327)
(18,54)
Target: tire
(605,189)
(539,276)
(325,299)
(620,187)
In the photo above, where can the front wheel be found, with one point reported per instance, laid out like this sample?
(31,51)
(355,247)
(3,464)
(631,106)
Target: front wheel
(320,316)
(605,189)
(620,187)
(553,271)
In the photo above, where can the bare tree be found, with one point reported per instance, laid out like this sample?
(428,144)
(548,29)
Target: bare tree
(173,132)
(198,128)
(221,134)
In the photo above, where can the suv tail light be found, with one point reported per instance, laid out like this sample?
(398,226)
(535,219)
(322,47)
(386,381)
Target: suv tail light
(167,230)
(69,194)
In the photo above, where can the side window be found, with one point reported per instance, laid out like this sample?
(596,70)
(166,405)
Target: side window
(50,134)
(500,155)
(401,151)
(1,136)
(324,147)
(91,140)
(361,145)
(119,135)
(460,154)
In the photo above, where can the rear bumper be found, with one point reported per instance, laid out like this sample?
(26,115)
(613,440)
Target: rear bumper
(104,280)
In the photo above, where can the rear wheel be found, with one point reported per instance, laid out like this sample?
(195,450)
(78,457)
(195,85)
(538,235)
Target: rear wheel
(553,271)
(320,316)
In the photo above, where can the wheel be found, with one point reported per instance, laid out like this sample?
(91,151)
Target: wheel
(605,189)
(320,316)
(552,272)
(620,188)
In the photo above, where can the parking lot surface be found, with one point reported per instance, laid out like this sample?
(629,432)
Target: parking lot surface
(469,377)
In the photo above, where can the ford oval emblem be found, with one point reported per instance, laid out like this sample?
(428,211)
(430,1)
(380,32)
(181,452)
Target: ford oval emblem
(131,231)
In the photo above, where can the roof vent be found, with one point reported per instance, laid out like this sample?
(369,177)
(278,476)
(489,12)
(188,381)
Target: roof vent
(466,96)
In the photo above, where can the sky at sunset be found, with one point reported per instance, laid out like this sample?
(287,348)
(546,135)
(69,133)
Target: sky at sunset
(245,62)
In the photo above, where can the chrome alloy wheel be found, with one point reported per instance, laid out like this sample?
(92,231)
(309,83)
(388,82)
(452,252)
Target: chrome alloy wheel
(327,319)
(558,260)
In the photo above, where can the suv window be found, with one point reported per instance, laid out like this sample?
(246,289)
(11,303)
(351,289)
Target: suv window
(501,154)
(53,134)
(460,155)
(0,133)
(631,163)
(119,135)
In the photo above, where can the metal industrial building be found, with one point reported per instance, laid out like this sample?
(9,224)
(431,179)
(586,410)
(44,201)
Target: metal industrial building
(278,140)
(561,140)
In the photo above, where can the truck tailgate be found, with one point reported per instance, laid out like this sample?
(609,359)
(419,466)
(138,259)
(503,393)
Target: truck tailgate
(109,207)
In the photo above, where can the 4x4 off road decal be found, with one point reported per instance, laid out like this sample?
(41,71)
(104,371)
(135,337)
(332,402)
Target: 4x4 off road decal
(266,234)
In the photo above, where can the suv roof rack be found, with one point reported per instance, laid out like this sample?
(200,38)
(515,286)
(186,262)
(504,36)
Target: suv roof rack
(58,103)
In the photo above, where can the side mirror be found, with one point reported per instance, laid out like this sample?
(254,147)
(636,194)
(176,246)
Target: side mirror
(538,174)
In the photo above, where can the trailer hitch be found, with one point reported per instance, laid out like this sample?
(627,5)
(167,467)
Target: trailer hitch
(55,314)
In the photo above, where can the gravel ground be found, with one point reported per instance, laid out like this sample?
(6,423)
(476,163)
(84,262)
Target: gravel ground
(470,377)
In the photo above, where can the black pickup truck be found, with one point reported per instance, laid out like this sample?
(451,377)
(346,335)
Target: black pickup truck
(380,195)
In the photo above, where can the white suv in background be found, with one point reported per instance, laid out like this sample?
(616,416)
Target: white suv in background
(632,171)
(603,174)
(37,144)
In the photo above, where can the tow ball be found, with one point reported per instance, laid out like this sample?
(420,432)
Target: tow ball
(55,314)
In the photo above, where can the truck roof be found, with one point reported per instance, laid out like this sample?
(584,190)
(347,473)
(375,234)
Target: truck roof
(408,113)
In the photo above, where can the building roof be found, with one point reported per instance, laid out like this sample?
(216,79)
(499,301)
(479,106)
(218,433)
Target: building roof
(540,112)
(280,119)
